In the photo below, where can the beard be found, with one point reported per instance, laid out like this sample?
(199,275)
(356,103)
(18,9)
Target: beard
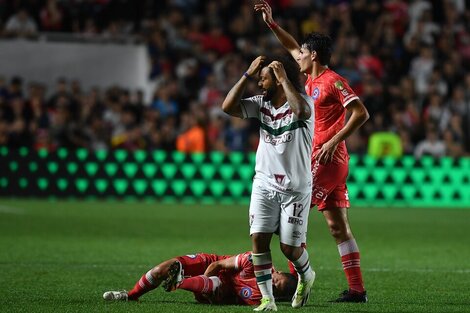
(269,93)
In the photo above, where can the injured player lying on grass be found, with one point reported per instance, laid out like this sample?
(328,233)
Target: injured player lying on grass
(214,279)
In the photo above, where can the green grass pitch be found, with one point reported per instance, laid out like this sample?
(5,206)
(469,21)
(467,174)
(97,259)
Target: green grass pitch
(60,256)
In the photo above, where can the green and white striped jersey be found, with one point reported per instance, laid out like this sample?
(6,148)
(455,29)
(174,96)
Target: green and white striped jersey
(283,158)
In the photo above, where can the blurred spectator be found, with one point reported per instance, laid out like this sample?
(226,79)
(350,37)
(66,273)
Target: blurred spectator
(192,138)
(453,147)
(431,145)
(421,69)
(128,133)
(51,16)
(408,60)
(164,101)
(215,132)
(435,113)
(236,135)
(21,25)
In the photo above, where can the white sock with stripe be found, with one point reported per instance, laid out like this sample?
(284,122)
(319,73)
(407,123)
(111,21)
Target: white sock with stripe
(302,266)
(263,264)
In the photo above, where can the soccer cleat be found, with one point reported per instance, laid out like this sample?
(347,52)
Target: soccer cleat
(303,292)
(352,296)
(115,295)
(175,277)
(267,304)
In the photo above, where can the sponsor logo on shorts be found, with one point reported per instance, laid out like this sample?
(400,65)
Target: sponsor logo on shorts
(296,234)
(252,218)
(295,221)
(246,292)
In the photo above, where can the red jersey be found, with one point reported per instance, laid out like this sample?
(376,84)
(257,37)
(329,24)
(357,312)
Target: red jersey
(242,281)
(331,94)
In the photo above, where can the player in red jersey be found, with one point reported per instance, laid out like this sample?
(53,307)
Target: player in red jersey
(332,97)
(214,279)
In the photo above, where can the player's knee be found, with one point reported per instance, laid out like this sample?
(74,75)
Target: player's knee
(290,252)
(158,272)
(337,230)
(260,241)
(340,234)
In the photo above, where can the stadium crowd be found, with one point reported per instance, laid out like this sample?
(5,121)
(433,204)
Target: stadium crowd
(409,62)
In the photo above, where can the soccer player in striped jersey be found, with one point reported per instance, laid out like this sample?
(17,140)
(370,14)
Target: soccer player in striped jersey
(214,279)
(332,97)
(281,192)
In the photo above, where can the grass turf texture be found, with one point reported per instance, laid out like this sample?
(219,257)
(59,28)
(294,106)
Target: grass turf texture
(60,256)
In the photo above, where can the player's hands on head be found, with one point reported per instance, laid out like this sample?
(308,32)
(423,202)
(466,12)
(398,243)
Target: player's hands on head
(278,70)
(263,7)
(256,65)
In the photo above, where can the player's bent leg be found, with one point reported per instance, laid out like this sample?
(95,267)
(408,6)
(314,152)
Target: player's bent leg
(300,260)
(150,280)
(174,277)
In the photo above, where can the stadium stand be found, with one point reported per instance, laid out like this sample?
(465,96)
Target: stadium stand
(408,60)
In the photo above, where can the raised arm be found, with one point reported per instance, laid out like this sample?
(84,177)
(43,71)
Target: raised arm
(214,268)
(284,37)
(231,104)
(296,102)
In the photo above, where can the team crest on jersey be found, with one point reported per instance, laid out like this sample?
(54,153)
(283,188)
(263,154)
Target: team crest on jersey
(279,178)
(245,293)
(339,85)
(316,93)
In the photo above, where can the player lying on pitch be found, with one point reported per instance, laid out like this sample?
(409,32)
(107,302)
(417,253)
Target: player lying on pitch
(214,279)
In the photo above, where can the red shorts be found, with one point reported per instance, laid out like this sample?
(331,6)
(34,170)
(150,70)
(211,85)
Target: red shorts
(196,264)
(329,185)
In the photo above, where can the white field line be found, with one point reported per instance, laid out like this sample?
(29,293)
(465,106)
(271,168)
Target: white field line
(406,270)
(131,266)
(11,210)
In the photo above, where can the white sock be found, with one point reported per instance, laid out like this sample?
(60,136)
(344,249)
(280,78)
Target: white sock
(302,266)
(263,264)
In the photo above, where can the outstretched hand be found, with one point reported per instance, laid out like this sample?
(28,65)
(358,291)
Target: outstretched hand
(264,7)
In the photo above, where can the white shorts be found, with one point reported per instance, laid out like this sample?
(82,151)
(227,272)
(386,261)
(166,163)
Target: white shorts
(278,212)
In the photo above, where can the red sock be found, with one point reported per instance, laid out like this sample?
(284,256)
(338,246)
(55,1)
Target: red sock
(144,285)
(352,265)
(200,284)
(352,269)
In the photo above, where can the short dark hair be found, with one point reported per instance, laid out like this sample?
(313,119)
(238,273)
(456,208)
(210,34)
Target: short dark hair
(290,288)
(321,44)
(292,71)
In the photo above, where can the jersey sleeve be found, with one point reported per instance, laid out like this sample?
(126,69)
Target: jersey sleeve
(250,106)
(243,261)
(343,92)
